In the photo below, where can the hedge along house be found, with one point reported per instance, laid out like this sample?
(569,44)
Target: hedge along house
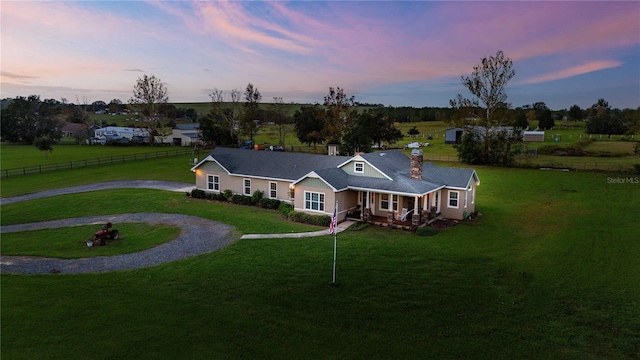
(387,186)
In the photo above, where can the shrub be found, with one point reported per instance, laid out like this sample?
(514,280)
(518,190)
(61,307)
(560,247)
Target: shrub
(218,197)
(426,231)
(241,199)
(285,209)
(198,194)
(256,197)
(553,149)
(227,194)
(320,220)
(583,143)
(636,168)
(273,204)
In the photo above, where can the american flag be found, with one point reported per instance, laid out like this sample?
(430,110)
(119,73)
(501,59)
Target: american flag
(334,222)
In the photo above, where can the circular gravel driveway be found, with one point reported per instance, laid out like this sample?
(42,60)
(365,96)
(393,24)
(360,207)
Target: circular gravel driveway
(198,235)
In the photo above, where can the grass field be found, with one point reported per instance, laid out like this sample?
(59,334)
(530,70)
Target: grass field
(550,270)
(16,156)
(63,243)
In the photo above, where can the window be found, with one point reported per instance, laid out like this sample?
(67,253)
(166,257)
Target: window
(313,201)
(384,201)
(247,187)
(358,167)
(473,195)
(273,190)
(453,199)
(213,182)
(395,202)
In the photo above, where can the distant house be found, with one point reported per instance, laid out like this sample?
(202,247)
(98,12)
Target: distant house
(70,130)
(102,134)
(183,135)
(453,135)
(533,136)
(383,186)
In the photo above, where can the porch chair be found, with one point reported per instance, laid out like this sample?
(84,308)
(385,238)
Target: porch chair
(403,215)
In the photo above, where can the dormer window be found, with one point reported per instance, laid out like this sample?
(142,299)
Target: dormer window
(358,167)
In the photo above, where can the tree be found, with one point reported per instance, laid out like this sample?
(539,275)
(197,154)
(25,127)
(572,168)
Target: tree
(44,144)
(309,124)
(214,133)
(383,130)
(115,106)
(250,119)
(413,132)
(149,94)
(520,119)
(604,120)
(98,105)
(225,113)
(279,119)
(367,129)
(85,119)
(357,136)
(482,114)
(339,114)
(575,113)
(26,119)
(543,113)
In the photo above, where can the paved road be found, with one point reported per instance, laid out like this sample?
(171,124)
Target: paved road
(198,235)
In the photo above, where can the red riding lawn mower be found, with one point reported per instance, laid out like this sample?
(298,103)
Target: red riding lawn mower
(101,236)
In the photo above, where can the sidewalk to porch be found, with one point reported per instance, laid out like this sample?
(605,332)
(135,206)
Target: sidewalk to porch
(341,227)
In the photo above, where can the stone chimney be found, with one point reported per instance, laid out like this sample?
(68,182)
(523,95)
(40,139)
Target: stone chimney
(416,164)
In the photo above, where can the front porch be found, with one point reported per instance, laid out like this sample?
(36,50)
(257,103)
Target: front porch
(394,210)
(409,223)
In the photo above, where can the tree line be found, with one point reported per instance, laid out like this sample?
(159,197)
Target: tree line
(339,119)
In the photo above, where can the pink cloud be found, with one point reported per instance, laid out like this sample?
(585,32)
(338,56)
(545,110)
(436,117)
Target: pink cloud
(573,71)
(231,21)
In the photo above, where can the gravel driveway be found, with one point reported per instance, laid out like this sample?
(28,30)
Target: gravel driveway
(198,235)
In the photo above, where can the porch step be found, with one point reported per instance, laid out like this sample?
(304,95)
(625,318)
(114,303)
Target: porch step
(434,219)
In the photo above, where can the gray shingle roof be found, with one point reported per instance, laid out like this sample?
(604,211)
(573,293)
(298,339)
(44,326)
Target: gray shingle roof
(294,166)
(273,164)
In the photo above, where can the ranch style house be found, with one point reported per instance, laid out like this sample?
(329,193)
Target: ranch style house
(386,187)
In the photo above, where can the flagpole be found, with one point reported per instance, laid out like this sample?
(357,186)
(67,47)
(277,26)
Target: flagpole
(335,242)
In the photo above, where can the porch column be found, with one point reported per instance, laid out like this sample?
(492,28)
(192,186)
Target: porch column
(366,215)
(416,212)
(425,207)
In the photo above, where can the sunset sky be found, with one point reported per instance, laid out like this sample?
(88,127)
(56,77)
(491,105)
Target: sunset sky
(396,53)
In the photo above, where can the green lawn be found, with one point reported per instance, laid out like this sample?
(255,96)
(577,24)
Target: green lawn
(17,156)
(70,242)
(175,168)
(549,271)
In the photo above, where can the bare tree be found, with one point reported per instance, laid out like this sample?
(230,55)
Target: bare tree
(250,118)
(487,83)
(225,113)
(280,119)
(149,94)
(80,111)
(483,113)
